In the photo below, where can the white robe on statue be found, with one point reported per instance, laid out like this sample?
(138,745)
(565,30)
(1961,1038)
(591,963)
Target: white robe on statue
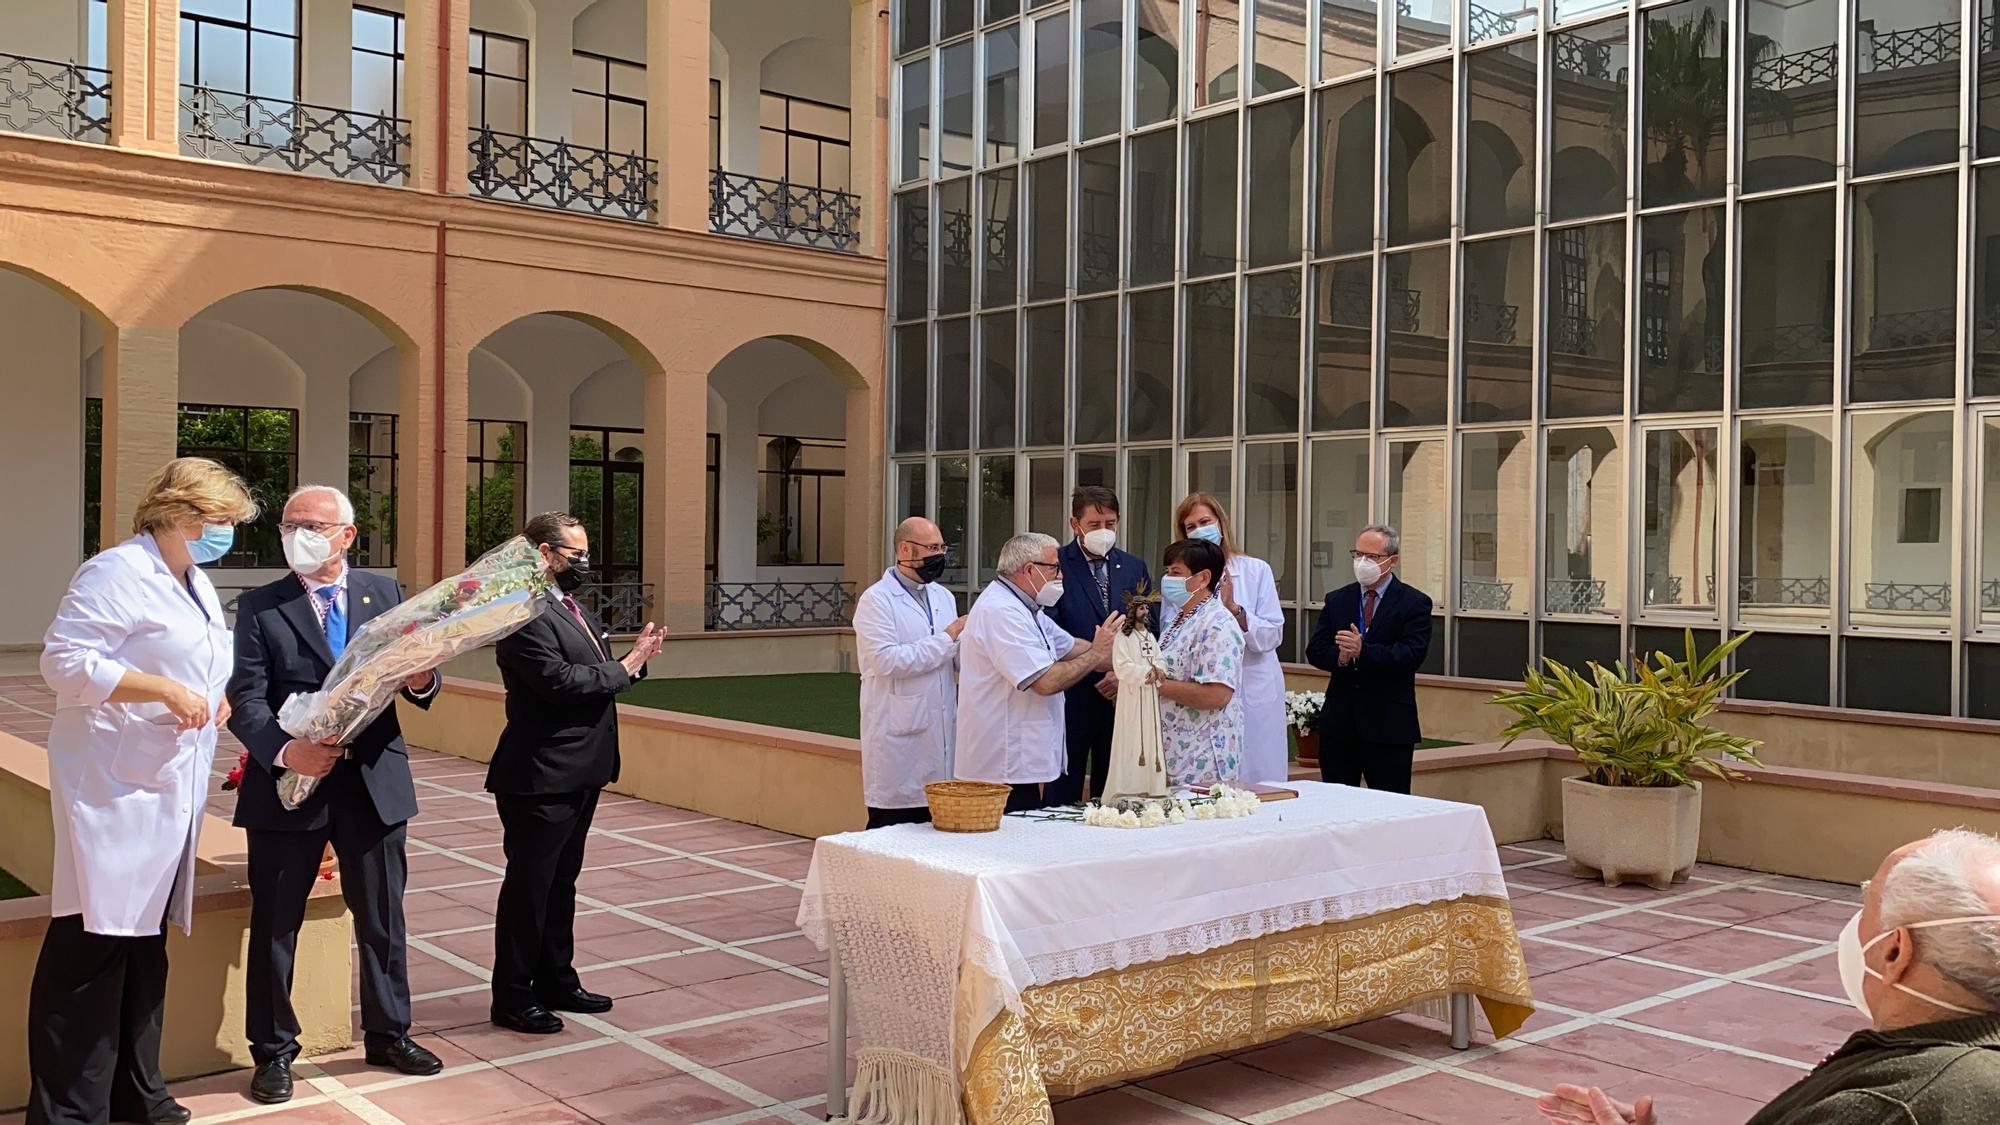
(1138,768)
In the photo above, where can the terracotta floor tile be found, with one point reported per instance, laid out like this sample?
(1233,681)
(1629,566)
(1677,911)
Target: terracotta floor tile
(1628,938)
(1318,1063)
(446,1012)
(1352,1113)
(1820,975)
(1738,905)
(742,925)
(607,1067)
(1426,1039)
(486,1042)
(795,950)
(788,1076)
(1675,1100)
(475,946)
(749,1038)
(1726,951)
(807,1020)
(351,1066)
(757,989)
(617,983)
(1451,1100)
(1566,904)
(461,1097)
(642,942)
(1620,1046)
(1822,920)
(1606,984)
(700,967)
(659,1008)
(1731,1073)
(1544,958)
(1229,1087)
(549,1113)
(1541,1068)
(677,1098)
(1117,1107)
(1839,892)
(1772,1022)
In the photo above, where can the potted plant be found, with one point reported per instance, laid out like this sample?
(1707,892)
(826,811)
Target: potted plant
(1641,734)
(1302,710)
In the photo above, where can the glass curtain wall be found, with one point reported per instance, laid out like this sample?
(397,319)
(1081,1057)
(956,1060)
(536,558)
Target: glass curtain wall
(1671,282)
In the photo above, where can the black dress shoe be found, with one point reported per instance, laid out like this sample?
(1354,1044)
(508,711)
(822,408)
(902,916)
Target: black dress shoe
(405,1056)
(535,1020)
(169,1112)
(273,1082)
(577,1000)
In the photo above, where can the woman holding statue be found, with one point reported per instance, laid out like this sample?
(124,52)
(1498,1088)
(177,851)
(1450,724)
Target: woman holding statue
(1201,718)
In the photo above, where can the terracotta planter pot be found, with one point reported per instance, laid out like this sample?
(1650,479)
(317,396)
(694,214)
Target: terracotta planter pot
(1645,835)
(326,862)
(1308,747)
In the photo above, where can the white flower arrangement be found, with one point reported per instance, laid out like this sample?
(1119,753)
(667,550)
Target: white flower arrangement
(1302,710)
(1223,802)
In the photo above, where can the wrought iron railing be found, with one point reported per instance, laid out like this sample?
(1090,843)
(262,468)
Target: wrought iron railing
(624,607)
(1575,595)
(1800,68)
(779,605)
(1752,589)
(1989,594)
(1663,589)
(1908,597)
(563,176)
(55,99)
(1908,47)
(1406,309)
(1573,334)
(781,211)
(1484,23)
(342,143)
(1917,328)
(1485,593)
(1583,58)
(1488,322)
(1096,261)
(1788,343)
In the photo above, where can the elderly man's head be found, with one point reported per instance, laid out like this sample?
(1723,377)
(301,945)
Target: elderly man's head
(1926,943)
(1028,560)
(317,529)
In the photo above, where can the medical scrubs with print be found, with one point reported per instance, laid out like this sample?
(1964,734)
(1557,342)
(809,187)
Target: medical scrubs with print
(1203,747)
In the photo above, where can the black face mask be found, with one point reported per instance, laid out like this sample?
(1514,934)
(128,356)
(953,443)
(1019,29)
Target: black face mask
(932,568)
(572,577)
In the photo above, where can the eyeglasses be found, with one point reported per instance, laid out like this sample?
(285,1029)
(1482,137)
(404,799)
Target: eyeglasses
(314,526)
(1047,567)
(570,553)
(927,548)
(1371,556)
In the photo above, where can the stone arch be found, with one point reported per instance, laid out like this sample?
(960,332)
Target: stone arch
(400,336)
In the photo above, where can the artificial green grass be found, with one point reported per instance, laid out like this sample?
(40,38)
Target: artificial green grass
(821,702)
(11,887)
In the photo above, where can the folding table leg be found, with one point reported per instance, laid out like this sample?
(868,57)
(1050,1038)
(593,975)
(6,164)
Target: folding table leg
(836,1034)
(1461,1021)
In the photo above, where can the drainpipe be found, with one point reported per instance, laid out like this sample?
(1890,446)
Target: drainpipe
(438,296)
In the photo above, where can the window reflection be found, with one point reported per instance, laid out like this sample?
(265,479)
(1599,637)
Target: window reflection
(1207,406)
(1784,518)
(1418,495)
(1899,552)
(1044,362)
(1208,471)
(1497,291)
(1277,181)
(912,389)
(1791,84)
(1103,77)
(1339,512)
(1906,83)
(1097,218)
(1497,20)
(1052,80)
(1218,24)
(1681,496)
(1048,506)
(1048,229)
(1270,514)
(1149,382)
(1989,521)
(1421,25)
(1416,313)
(1588,71)
(954,264)
(1271,354)
(1347,168)
(1156,56)
(1148,502)
(954,383)
(996,511)
(1496,498)
(1003,94)
(1500,148)
(1681,262)
(1685,102)
(1000,248)
(1905,305)
(1586,320)
(914,139)
(1584,536)
(1152,207)
(1346,38)
(955,144)
(1420,154)
(1986,284)
(1280,46)
(1211,192)
(953,516)
(1343,375)
(913,258)
(997,380)
(1786,302)
(1096,416)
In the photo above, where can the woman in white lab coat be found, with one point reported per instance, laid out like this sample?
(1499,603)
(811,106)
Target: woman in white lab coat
(1249,591)
(138,656)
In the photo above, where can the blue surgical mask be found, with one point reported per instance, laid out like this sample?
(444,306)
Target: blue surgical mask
(1208,533)
(215,542)
(1173,591)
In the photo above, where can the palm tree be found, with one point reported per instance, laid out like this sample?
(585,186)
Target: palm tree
(1686,108)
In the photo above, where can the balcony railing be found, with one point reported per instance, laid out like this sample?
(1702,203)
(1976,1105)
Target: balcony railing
(343,143)
(1575,595)
(1485,593)
(1989,594)
(1908,597)
(55,99)
(734,606)
(780,211)
(1752,589)
(622,606)
(563,176)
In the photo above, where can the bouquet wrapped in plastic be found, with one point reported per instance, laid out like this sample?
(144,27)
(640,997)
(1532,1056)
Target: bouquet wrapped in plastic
(490,599)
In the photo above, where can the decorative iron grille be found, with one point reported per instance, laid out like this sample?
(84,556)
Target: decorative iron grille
(1788,343)
(1485,593)
(1406,309)
(780,211)
(1989,594)
(563,176)
(55,99)
(1754,589)
(1800,68)
(1583,58)
(1917,328)
(1908,597)
(1487,322)
(1096,261)
(342,143)
(1663,589)
(1914,46)
(622,606)
(1485,23)
(1575,334)
(734,606)
(954,237)
(1351,300)
(1575,595)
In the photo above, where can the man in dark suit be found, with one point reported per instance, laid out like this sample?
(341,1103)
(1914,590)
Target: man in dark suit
(289,634)
(1371,639)
(1096,577)
(556,754)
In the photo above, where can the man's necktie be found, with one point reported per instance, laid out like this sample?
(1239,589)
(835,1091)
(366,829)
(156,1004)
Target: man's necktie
(1367,610)
(1103,573)
(576,611)
(335,620)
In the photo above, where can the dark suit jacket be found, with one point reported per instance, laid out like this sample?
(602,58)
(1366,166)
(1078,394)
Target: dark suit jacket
(281,651)
(1081,611)
(1374,699)
(562,706)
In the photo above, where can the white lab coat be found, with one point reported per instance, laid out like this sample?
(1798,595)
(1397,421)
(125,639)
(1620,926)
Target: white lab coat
(1266,750)
(126,789)
(909,690)
(1006,730)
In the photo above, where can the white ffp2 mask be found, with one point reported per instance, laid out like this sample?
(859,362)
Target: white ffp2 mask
(1854,964)
(307,551)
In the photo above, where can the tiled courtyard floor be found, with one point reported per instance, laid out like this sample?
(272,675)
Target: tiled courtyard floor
(1712,996)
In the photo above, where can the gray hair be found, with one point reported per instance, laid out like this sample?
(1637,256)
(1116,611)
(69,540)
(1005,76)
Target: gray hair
(1942,878)
(1018,552)
(340,500)
(1388,534)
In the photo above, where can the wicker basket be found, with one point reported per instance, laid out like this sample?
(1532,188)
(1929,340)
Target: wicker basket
(967,806)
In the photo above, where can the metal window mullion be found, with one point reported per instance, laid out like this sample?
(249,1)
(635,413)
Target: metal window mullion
(1631,434)
(1723,541)
(1454,366)
(1539,356)
(1839,602)
(1965,620)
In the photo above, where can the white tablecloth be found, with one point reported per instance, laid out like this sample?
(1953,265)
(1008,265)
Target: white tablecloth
(938,930)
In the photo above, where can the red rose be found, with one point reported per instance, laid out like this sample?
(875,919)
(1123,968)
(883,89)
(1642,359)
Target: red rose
(468,587)
(234,780)
(411,628)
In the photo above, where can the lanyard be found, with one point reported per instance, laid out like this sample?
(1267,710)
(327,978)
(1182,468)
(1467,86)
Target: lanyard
(1034,616)
(189,585)
(924,601)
